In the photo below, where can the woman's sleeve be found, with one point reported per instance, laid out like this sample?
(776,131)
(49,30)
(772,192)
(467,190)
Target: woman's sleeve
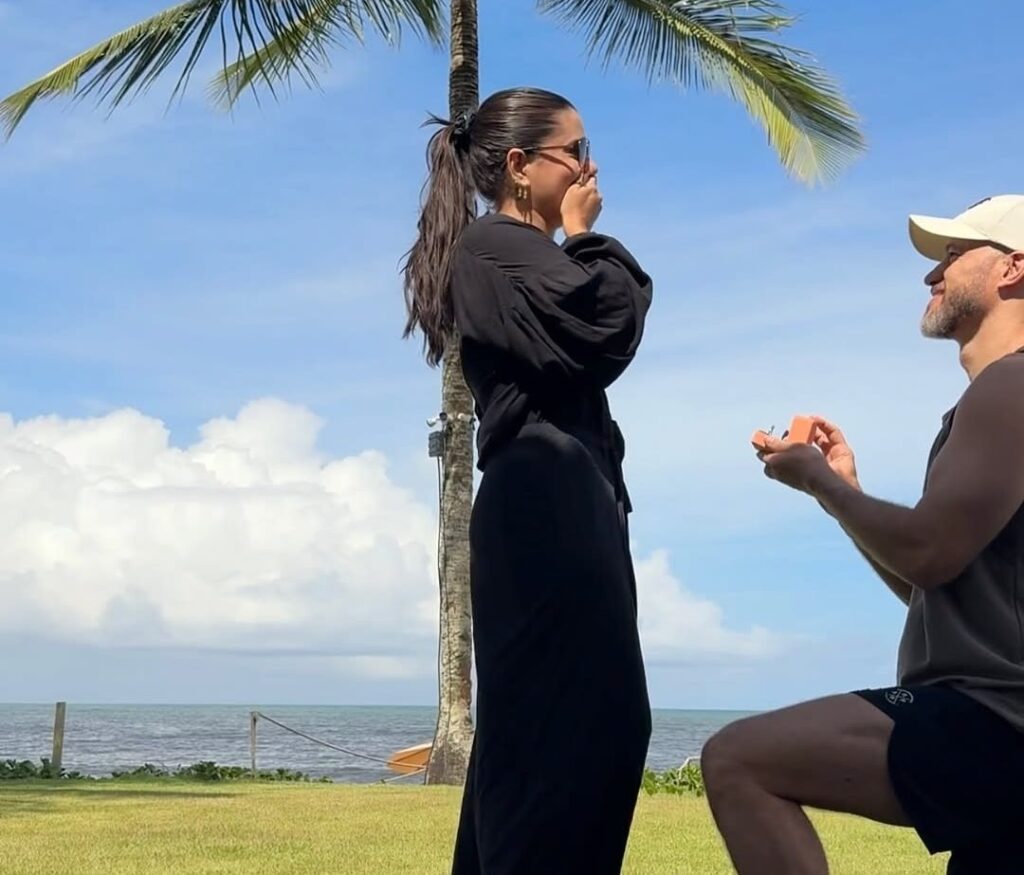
(570,312)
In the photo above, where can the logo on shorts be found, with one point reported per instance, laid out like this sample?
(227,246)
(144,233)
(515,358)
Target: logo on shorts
(899,696)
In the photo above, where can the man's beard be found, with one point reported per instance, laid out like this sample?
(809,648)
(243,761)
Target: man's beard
(942,321)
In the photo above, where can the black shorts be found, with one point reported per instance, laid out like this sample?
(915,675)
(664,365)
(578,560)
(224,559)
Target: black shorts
(957,768)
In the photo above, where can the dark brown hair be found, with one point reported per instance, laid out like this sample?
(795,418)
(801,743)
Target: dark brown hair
(466,158)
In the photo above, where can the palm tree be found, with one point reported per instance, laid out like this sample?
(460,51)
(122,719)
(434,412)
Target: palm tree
(722,44)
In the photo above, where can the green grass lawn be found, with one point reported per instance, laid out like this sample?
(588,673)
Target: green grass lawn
(184,828)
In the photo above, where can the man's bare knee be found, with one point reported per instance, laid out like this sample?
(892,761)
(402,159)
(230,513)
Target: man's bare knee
(725,757)
(830,753)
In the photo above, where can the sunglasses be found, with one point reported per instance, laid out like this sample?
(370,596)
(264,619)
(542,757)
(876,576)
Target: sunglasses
(579,149)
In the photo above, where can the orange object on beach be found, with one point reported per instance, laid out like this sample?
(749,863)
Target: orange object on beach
(801,431)
(411,759)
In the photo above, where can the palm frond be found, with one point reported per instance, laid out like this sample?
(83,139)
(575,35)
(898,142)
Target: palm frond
(299,47)
(262,42)
(722,44)
(304,41)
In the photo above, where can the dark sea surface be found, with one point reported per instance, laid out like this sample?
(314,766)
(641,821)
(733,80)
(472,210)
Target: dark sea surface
(100,739)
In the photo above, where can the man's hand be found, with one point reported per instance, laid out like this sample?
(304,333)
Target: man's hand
(974,487)
(829,439)
(806,467)
(799,466)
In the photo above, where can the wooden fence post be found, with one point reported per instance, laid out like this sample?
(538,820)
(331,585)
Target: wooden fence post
(58,740)
(253,717)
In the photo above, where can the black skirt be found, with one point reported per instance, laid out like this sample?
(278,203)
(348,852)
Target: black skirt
(563,719)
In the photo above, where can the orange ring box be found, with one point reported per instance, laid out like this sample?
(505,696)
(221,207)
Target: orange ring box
(801,431)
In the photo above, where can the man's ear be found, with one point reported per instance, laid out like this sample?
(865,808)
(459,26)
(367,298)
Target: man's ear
(1012,277)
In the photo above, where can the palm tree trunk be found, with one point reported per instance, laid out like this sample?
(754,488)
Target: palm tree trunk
(454,735)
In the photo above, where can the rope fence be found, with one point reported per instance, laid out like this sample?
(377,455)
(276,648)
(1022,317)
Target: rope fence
(256,716)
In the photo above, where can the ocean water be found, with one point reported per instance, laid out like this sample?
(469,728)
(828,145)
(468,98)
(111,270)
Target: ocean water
(102,738)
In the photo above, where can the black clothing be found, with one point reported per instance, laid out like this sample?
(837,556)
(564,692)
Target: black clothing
(956,755)
(545,329)
(969,633)
(563,719)
(957,769)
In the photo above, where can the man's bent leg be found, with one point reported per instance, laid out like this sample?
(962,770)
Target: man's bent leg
(830,754)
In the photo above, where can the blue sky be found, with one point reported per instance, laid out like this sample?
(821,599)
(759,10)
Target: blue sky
(199,307)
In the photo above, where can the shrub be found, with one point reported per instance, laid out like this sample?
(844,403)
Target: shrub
(21,770)
(685,780)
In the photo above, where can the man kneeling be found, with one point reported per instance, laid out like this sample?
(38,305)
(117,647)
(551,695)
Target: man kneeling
(942,752)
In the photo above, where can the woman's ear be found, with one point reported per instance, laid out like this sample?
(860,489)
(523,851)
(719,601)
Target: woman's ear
(515,164)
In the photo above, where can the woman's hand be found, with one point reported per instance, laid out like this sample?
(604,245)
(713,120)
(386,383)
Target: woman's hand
(581,206)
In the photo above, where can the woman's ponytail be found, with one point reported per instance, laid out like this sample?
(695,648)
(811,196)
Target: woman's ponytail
(448,206)
(466,157)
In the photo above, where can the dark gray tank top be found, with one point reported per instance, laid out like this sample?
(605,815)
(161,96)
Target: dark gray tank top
(969,633)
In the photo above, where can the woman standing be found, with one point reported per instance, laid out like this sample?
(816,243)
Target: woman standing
(563,719)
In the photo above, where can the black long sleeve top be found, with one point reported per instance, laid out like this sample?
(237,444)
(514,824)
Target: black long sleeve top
(545,329)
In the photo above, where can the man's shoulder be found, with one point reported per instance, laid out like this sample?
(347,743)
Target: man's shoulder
(991,407)
(999,384)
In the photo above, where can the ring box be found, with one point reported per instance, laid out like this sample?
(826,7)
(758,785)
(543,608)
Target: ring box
(801,431)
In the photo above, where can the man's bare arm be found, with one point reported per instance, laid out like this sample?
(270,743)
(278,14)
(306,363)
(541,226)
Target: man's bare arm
(900,588)
(975,486)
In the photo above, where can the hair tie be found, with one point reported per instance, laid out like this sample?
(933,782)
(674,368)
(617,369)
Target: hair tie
(461,126)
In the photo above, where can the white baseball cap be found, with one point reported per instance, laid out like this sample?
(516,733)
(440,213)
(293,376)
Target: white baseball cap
(997,219)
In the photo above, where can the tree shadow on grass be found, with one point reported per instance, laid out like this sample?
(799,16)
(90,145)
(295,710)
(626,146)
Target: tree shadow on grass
(17,801)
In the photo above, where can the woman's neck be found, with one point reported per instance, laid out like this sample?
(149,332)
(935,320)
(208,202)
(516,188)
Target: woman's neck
(527,217)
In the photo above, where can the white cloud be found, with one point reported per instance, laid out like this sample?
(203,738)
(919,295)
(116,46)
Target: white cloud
(251,540)
(677,626)
(248,539)
(383,668)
